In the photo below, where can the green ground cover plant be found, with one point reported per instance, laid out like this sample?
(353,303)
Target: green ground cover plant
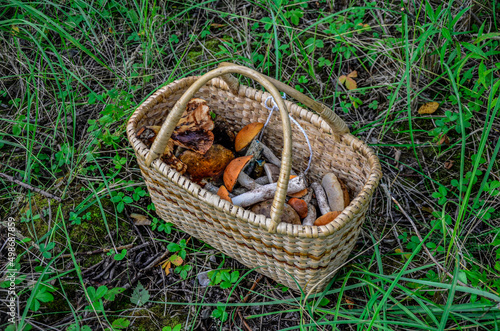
(71,74)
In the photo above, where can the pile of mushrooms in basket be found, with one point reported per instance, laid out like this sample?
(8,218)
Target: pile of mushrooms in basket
(239,168)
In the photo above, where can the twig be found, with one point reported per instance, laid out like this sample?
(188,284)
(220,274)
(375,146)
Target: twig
(425,247)
(245,299)
(244,321)
(98,251)
(30,187)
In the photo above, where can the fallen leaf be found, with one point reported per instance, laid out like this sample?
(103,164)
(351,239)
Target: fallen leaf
(353,74)
(428,108)
(349,82)
(404,255)
(350,302)
(176,260)
(140,219)
(166,266)
(443,140)
(428,209)
(448,164)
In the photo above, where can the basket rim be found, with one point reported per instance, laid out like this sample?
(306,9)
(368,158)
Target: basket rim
(301,231)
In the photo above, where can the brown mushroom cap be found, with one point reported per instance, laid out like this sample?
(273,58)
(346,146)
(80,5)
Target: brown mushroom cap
(299,205)
(246,135)
(224,194)
(327,218)
(233,170)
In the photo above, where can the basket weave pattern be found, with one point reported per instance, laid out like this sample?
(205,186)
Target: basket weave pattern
(311,255)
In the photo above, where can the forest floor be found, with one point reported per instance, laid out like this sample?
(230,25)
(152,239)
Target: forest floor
(73,72)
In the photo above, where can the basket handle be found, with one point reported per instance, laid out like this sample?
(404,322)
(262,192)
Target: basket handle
(338,126)
(175,114)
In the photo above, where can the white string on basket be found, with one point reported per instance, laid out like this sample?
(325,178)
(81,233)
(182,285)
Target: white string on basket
(275,107)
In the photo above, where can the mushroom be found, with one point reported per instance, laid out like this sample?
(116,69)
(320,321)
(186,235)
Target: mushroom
(169,158)
(267,192)
(247,135)
(209,187)
(211,164)
(147,134)
(262,180)
(269,155)
(333,191)
(224,194)
(289,214)
(272,172)
(311,215)
(324,208)
(299,205)
(234,172)
(346,193)
(327,218)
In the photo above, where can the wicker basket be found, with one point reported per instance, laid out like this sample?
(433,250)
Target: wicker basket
(296,256)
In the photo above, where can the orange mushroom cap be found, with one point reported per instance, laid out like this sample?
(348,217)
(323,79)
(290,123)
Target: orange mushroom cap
(233,170)
(224,194)
(246,135)
(327,218)
(299,205)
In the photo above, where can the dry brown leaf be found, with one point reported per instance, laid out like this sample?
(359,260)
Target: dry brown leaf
(140,219)
(428,108)
(443,140)
(350,84)
(353,74)
(448,164)
(350,302)
(166,266)
(427,209)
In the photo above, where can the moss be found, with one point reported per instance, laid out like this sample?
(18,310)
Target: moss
(156,314)
(195,55)
(87,236)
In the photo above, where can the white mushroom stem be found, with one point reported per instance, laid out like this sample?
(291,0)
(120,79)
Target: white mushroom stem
(311,215)
(272,159)
(307,198)
(239,190)
(214,189)
(272,172)
(319,191)
(247,181)
(262,180)
(269,155)
(266,192)
(211,188)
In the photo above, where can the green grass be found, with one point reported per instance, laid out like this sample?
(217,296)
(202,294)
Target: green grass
(73,72)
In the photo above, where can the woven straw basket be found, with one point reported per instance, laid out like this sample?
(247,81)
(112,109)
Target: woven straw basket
(296,256)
